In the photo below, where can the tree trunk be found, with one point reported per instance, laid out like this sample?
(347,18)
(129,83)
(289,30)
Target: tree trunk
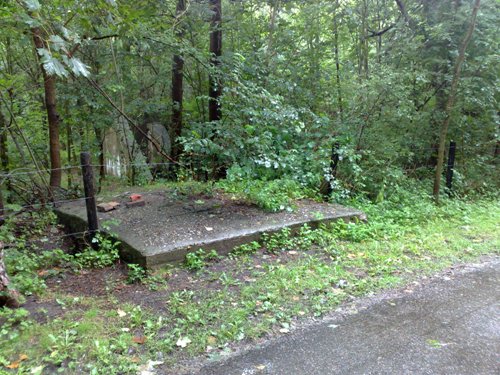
(337,59)
(177,87)
(363,42)
(403,11)
(272,27)
(4,162)
(8,297)
(49,84)
(99,134)
(451,100)
(4,155)
(215,86)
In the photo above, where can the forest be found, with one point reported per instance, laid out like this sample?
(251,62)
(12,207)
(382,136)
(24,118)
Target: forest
(249,90)
(359,102)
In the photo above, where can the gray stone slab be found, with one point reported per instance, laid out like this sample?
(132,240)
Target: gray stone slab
(167,227)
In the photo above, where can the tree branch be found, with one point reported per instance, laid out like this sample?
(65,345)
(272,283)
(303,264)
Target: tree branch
(381,32)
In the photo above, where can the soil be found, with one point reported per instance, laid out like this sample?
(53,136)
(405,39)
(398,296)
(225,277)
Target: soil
(113,280)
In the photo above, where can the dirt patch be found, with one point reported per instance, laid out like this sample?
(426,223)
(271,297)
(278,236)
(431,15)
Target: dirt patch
(90,283)
(113,281)
(43,311)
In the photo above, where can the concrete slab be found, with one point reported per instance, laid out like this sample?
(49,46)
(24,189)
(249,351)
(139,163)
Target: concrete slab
(168,226)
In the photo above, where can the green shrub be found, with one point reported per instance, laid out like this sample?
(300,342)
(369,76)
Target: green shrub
(136,274)
(105,255)
(273,196)
(197,260)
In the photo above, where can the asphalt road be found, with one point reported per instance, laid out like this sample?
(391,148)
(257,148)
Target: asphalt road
(451,325)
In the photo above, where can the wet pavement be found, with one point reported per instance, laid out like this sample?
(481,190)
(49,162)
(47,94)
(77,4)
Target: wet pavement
(450,325)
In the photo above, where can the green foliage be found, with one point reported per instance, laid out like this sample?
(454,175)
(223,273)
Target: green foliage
(28,265)
(105,254)
(198,259)
(274,195)
(279,241)
(191,188)
(262,135)
(285,99)
(13,322)
(136,274)
(246,249)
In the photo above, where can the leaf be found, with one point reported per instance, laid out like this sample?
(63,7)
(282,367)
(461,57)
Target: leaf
(77,66)
(139,339)
(37,370)
(434,343)
(183,342)
(32,5)
(148,368)
(51,65)
(211,340)
(57,42)
(14,365)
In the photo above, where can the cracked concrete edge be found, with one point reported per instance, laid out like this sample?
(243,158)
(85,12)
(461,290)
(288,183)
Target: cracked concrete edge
(226,244)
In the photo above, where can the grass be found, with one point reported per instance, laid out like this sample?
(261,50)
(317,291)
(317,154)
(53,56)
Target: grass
(260,290)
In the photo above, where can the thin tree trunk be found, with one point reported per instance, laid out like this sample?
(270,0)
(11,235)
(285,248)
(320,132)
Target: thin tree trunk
(4,155)
(2,208)
(403,11)
(49,84)
(99,134)
(451,100)
(4,162)
(275,5)
(177,87)
(337,59)
(379,38)
(215,85)
(363,41)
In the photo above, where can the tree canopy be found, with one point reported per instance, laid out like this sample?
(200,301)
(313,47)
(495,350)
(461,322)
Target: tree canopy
(246,89)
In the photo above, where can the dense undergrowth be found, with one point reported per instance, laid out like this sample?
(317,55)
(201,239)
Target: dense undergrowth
(261,288)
